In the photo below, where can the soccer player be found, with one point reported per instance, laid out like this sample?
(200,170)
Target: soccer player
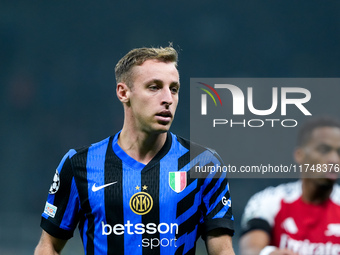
(301,217)
(132,193)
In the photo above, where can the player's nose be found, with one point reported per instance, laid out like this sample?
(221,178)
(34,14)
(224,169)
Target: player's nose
(167,96)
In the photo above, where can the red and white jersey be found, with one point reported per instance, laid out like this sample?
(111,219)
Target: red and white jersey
(306,229)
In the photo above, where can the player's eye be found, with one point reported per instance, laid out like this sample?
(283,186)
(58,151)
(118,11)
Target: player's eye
(338,151)
(153,87)
(324,149)
(174,89)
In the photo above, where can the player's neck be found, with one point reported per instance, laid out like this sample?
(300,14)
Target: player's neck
(141,146)
(315,193)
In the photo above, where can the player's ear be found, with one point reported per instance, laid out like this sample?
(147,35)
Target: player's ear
(123,92)
(299,155)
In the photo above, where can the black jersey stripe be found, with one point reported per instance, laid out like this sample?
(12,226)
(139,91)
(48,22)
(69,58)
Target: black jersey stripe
(180,250)
(186,202)
(190,180)
(192,251)
(193,151)
(79,167)
(151,180)
(229,213)
(212,183)
(189,225)
(163,151)
(113,172)
(183,160)
(90,235)
(214,197)
(217,209)
(62,196)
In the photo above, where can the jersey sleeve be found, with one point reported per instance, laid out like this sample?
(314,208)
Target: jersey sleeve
(60,216)
(216,200)
(261,209)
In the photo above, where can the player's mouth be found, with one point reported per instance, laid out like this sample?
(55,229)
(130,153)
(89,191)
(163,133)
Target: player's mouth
(164,116)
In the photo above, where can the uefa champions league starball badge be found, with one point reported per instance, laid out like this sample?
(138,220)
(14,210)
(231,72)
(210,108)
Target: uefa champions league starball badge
(55,183)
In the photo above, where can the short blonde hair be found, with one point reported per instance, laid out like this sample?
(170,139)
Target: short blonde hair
(138,56)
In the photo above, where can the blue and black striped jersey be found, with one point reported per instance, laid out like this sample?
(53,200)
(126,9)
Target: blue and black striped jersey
(122,206)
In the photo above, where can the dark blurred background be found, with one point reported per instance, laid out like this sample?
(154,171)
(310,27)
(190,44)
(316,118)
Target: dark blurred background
(57,87)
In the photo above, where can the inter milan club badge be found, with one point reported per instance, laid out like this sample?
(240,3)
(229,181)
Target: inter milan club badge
(178,181)
(141,203)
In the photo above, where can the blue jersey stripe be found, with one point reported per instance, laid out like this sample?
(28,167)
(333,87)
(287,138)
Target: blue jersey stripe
(84,236)
(188,240)
(72,209)
(95,171)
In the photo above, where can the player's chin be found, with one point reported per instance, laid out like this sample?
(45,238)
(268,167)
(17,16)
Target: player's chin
(163,127)
(326,183)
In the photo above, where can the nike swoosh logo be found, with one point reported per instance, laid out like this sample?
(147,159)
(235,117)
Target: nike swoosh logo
(94,188)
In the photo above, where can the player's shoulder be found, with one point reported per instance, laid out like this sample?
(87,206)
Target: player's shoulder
(335,195)
(193,146)
(286,191)
(97,147)
(266,204)
(270,198)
